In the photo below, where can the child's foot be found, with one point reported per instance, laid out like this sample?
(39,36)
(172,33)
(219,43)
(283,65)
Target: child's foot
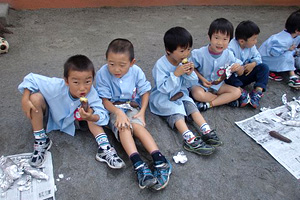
(255,97)
(198,147)
(202,106)
(274,76)
(244,99)
(235,103)
(294,82)
(111,158)
(212,139)
(144,175)
(162,172)
(38,155)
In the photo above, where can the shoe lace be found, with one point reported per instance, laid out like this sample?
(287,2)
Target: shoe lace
(110,155)
(40,146)
(256,96)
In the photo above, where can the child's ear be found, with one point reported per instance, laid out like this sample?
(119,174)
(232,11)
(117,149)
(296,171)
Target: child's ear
(241,42)
(168,52)
(132,62)
(66,81)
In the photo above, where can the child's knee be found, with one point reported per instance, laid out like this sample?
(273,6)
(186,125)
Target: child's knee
(37,99)
(236,92)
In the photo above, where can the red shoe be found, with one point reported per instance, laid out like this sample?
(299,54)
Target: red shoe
(275,77)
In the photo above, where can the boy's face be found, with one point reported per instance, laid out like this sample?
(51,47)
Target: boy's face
(80,83)
(178,55)
(119,63)
(249,43)
(219,42)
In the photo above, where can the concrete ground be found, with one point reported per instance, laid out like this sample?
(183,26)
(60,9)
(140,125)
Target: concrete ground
(44,39)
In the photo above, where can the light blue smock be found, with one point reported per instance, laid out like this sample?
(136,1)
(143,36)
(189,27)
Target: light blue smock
(60,103)
(274,52)
(166,86)
(208,66)
(246,55)
(129,87)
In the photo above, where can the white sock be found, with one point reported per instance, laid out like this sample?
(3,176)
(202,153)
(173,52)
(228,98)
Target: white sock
(188,136)
(205,128)
(102,140)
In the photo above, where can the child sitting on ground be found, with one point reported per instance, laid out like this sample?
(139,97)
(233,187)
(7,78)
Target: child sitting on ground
(243,48)
(58,101)
(170,96)
(278,51)
(210,62)
(125,92)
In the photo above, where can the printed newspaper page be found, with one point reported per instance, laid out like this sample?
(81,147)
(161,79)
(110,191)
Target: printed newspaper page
(259,126)
(39,189)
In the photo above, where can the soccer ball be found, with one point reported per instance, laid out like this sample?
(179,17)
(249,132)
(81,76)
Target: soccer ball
(4,46)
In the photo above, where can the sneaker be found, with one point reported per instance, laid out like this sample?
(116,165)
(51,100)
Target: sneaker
(255,97)
(202,106)
(235,103)
(199,147)
(212,139)
(38,156)
(162,172)
(111,158)
(274,76)
(244,98)
(144,175)
(294,82)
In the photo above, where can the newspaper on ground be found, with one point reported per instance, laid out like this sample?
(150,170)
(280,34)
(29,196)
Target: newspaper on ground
(258,128)
(39,189)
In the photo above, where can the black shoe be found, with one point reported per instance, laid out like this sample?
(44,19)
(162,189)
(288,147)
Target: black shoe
(202,106)
(212,139)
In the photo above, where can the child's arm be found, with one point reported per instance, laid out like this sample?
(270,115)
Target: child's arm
(141,113)
(205,82)
(27,105)
(249,67)
(238,69)
(122,121)
(88,116)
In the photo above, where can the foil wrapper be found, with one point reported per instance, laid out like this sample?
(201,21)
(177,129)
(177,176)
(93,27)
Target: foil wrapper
(125,106)
(34,172)
(180,157)
(10,172)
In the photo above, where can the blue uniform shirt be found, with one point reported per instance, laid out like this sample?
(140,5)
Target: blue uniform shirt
(275,52)
(129,87)
(61,105)
(209,66)
(246,55)
(166,86)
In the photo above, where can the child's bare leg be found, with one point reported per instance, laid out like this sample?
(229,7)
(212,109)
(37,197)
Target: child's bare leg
(198,118)
(127,141)
(145,137)
(95,129)
(181,126)
(38,101)
(200,95)
(292,73)
(226,94)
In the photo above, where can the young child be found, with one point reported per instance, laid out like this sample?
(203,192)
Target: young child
(123,87)
(210,62)
(170,96)
(243,48)
(278,51)
(58,101)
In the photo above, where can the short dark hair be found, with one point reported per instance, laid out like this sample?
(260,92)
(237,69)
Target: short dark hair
(177,37)
(221,25)
(78,63)
(121,45)
(246,29)
(292,23)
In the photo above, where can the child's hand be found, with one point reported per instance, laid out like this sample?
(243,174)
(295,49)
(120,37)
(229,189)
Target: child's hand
(86,115)
(182,69)
(248,68)
(27,106)
(206,83)
(122,121)
(238,69)
(292,47)
(192,67)
(141,116)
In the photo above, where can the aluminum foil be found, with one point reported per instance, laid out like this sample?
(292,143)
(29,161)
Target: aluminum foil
(10,172)
(34,172)
(180,157)
(125,106)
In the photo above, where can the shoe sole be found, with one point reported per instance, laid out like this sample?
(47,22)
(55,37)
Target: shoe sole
(166,183)
(215,145)
(274,79)
(199,153)
(149,184)
(41,164)
(294,86)
(111,166)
